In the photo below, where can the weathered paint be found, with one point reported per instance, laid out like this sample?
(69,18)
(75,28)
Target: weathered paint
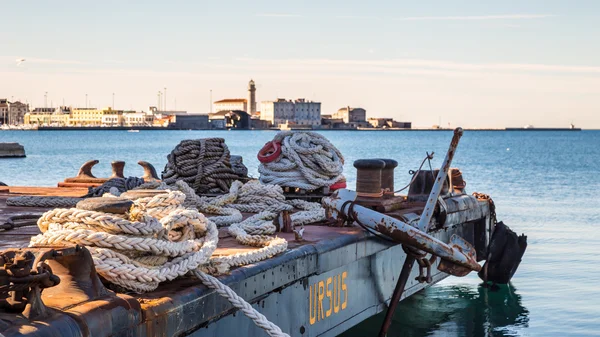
(425,219)
(398,230)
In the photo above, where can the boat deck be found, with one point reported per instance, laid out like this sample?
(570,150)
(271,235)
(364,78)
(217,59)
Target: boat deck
(19,237)
(332,280)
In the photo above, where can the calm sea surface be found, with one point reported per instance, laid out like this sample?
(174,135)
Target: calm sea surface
(545,184)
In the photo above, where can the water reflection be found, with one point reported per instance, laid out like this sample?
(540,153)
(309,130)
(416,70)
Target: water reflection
(454,311)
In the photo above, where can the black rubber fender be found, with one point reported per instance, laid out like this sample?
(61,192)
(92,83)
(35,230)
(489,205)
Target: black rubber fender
(506,251)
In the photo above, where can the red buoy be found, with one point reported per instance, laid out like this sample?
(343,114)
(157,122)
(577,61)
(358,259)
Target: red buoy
(269,152)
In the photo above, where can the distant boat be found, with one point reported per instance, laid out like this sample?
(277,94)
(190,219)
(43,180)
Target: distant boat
(133,130)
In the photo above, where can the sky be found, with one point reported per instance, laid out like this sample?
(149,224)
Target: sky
(464,63)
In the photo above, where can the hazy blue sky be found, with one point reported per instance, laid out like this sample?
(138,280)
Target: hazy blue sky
(498,63)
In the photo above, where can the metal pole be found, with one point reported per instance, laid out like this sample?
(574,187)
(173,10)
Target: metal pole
(400,285)
(210,101)
(86,101)
(113,104)
(439,182)
(165,103)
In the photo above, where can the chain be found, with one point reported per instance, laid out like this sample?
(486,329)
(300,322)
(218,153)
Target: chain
(483,196)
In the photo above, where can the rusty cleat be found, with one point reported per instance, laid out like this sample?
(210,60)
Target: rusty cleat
(149,171)
(84,176)
(117,169)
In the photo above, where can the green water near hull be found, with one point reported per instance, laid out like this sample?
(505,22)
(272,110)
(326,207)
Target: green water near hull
(453,310)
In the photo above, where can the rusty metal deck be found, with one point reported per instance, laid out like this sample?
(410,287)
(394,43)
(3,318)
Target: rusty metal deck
(297,290)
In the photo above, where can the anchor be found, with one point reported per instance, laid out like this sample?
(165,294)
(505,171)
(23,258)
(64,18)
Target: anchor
(457,258)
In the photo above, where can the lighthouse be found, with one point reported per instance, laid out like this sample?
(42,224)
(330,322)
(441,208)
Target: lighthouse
(251,97)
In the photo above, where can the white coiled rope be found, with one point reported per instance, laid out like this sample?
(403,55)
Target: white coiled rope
(307,161)
(165,236)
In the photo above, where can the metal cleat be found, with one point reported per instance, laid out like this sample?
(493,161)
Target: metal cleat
(149,171)
(283,222)
(85,171)
(117,169)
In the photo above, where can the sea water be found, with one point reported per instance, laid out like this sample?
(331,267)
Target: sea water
(544,184)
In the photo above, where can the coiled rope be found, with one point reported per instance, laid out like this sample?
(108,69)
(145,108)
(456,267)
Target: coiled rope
(121,184)
(165,236)
(307,161)
(204,164)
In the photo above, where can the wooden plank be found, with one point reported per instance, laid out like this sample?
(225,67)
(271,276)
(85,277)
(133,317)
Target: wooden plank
(86,185)
(47,191)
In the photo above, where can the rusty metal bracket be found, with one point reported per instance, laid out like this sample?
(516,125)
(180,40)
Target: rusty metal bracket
(283,222)
(425,264)
(29,275)
(24,273)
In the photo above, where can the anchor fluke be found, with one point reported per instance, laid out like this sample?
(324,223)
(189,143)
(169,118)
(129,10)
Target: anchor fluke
(149,171)
(463,246)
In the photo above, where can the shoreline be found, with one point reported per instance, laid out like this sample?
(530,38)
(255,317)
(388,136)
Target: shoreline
(150,128)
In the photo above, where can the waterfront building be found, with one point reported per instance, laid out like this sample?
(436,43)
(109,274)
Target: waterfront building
(133,118)
(388,123)
(236,119)
(299,112)
(59,116)
(191,121)
(231,104)
(96,117)
(258,124)
(4,110)
(349,115)
(155,111)
(239,104)
(12,113)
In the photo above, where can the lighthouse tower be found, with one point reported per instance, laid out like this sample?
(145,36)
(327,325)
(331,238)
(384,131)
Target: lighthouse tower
(251,98)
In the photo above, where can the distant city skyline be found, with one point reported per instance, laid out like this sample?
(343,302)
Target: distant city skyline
(472,64)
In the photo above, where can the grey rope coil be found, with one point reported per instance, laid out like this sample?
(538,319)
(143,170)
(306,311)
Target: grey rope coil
(121,184)
(204,164)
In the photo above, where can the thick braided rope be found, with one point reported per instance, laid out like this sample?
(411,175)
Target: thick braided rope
(203,163)
(121,184)
(136,254)
(259,319)
(308,161)
(182,233)
(39,201)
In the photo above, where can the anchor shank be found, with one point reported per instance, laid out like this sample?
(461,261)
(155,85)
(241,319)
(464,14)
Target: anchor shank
(397,229)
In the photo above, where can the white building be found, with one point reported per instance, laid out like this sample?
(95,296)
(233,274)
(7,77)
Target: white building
(300,112)
(349,115)
(135,119)
(231,104)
